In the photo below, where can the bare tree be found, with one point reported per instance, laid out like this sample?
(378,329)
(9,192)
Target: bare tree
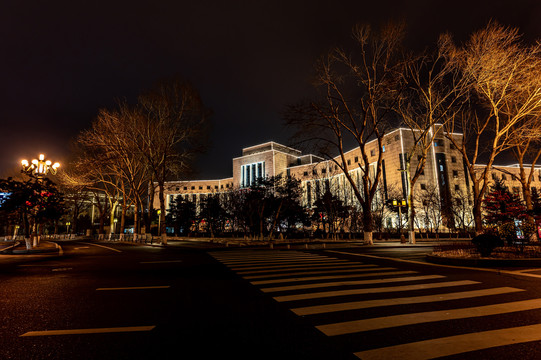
(117,158)
(172,131)
(501,75)
(358,98)
(526,149)
(431,99)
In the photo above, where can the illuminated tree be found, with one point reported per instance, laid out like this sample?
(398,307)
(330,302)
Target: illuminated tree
(358,94)
(501,75)
(431,99)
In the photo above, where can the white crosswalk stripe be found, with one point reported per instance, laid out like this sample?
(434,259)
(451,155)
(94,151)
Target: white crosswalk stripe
(349,327)
(314,281)
(325,294)
(346,283)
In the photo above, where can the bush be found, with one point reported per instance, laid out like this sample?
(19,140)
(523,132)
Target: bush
(486,243)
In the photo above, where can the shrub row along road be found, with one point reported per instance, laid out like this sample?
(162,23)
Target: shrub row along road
(113,301)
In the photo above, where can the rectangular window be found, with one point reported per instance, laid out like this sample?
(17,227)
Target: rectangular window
(453,159)
(397,137)
(372,153)
(200,188)
(208,187)
(314,171)
(250,173)
(349,162)
(185,188)
(323,171)
(305,173)
(455,174)
(423,186)
(356,159)
(504,177)
(193,187)
(383,148)
(457,187)
(309,194)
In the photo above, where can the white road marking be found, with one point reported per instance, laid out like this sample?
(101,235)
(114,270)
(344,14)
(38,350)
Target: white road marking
(319,267)
(105,247)
(62,269)
(497,271)
(320,309)
(349,327)
(350,282)
(452,345)
(160,262)
(294,265)
(135,288)
(264,258)
(326,277)
(278,261)
(82,247)
(326,294)
(88,331)
(326,271)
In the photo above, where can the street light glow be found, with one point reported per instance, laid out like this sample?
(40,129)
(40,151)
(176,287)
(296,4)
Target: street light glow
(39,167)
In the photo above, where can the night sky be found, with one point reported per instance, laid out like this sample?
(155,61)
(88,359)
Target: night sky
(61,61)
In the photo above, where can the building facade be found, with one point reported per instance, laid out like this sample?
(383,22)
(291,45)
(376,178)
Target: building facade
(444,175)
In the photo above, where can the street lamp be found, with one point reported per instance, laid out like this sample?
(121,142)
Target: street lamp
(400,204)
(40,167)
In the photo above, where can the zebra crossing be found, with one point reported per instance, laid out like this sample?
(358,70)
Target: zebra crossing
(344,298)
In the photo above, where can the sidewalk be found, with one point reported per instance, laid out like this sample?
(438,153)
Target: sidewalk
(19,248)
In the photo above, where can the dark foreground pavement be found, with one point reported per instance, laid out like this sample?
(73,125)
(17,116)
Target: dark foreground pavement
(143,303)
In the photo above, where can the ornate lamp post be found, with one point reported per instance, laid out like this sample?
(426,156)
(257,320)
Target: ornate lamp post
(38,168)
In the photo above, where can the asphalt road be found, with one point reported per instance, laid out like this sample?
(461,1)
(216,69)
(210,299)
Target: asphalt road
(113,301)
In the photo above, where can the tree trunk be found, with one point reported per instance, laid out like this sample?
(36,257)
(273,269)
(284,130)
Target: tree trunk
(477,217)
(367,226)
(161,196)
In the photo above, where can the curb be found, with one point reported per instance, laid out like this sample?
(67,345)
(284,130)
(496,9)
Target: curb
(34,251)
(484,262)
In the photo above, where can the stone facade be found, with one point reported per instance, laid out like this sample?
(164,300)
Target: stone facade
(444,171)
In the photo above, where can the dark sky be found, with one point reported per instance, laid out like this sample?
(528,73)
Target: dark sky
(61,61)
